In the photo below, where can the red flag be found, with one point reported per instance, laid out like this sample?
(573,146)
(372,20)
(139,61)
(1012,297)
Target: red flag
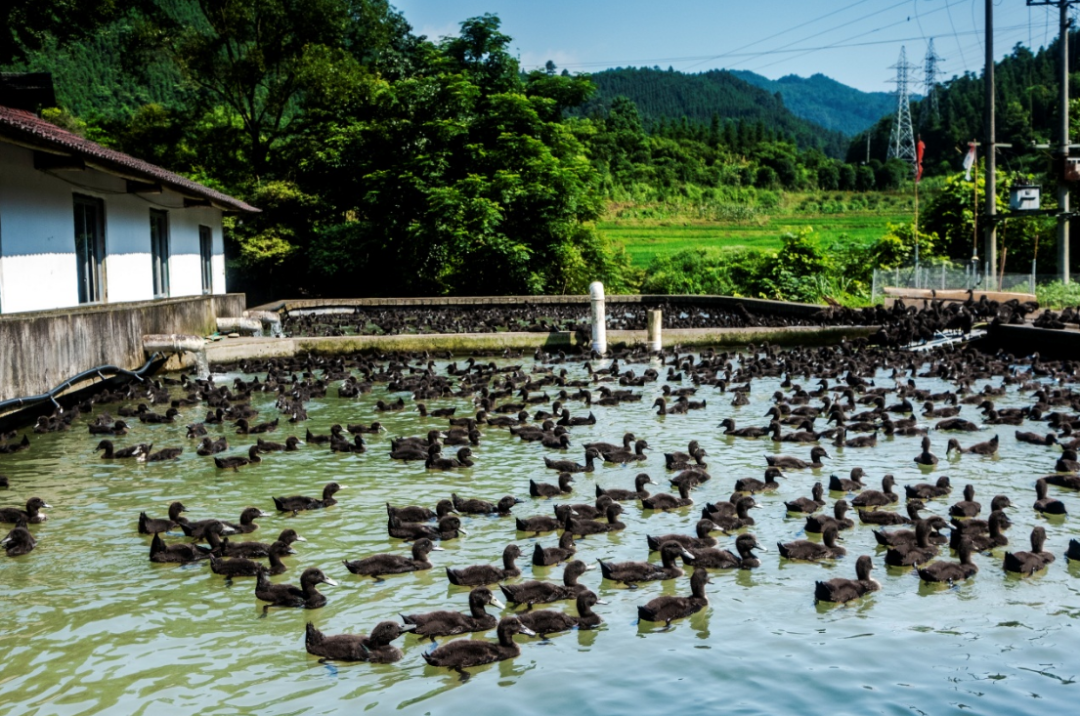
(920,147)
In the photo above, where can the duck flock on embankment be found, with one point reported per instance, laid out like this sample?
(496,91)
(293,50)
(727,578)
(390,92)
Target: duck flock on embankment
(845,397)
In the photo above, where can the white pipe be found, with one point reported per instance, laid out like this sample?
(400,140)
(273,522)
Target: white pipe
(654,323)
(599,318)
(232,324)
(271,321)
(178,343)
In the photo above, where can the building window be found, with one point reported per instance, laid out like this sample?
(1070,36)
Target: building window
(159,251)
(90,247)
(206,253)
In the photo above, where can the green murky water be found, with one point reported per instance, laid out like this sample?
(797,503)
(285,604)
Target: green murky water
(89,625)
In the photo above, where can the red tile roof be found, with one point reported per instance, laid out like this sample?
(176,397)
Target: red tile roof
(27,129)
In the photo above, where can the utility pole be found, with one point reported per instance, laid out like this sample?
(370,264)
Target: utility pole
(902,141)
(1062,154)
(990,245)
(930,109)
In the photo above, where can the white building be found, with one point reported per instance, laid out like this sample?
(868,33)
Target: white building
(84,224)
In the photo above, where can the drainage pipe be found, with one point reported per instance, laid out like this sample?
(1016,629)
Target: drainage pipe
(177,343)
(271,322)
(599,317)
(233,324)
(98,372)
(654,323)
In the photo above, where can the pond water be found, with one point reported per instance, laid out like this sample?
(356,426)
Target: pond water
(90,626)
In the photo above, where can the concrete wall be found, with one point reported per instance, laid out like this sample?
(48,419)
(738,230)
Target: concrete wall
(37,237)
(40,350)
(754,305)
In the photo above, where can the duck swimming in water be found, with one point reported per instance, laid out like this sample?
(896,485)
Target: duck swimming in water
(296,503)
(535,592)
(481,574)
(1030,562)
(549,621)
(841,590)
(669,608)
(32,514)
(380,564)
(631,573)
(807,551)
(786,462)
(306,595)
(464,653)
(448,623)
(150,526)
(375,648)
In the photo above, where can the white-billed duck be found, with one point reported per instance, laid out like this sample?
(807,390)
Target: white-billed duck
(630,573)
(380,564)
(926,457)
(245,567)
(806,551)
(306,595)
(638,493)
(990,447)
(817,523)
(586,527)
(1043,503)
(296,503)
(544,489)
(177,553)
(841,590)
(786,462)
(291,444)
(669,608)
(571,466)
(235,462)
(752,484)
(966,507)
(701,541)
(741,518)
(899,537)
(18,541)
(212,447)
(228,548)
(926,491)
(808,504)
(32,514)
(481,574)
(888,517)
(663,501)
(908,554)
(713,558)
(549,621)
(853,483)
(132,451)
(474,506)
(535,592)
(448,623)
(875,498)
(465,653)
(543,523)
(416,513)
(547,556)
(247,521)
(728,424)
(448,527)
(447,463)
(375,648)
(950,571)
(1030,562)
(150,525)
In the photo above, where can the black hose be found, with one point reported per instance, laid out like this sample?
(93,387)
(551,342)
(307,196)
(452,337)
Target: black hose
(99,372)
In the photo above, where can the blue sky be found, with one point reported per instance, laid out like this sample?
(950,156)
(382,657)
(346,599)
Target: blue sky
(853,41)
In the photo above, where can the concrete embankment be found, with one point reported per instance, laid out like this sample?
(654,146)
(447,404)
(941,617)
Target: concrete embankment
(234,349)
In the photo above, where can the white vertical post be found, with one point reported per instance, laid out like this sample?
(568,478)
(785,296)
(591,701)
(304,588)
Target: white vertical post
(654,322)
(599,317)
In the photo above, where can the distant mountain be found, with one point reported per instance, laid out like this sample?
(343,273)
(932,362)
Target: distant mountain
(825,101)
(667,95)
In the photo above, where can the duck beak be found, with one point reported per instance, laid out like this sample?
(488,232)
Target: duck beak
(329,581)
(601,601)
(590,567)
(46,504)
(292,551)
(527,631)
(495,602)
(462,530)
(518,501)
(301,539)
(759,548)
(687,555)
(407,627)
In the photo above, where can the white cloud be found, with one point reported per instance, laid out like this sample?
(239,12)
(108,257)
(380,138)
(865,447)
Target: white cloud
(437,32)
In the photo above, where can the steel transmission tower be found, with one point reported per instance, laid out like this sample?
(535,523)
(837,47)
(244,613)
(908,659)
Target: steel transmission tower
(902,141)
(929,114)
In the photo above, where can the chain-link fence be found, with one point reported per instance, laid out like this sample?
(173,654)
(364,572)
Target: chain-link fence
(946,277)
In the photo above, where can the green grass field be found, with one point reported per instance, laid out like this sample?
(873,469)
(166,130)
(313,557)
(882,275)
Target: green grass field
(645,240)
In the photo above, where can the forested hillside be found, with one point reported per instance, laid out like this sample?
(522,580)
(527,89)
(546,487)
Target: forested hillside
(666,95)
(824,101)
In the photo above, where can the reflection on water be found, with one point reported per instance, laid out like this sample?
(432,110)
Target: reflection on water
(89,625)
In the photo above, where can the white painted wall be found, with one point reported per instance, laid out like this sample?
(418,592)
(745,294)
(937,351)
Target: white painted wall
(37,237)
